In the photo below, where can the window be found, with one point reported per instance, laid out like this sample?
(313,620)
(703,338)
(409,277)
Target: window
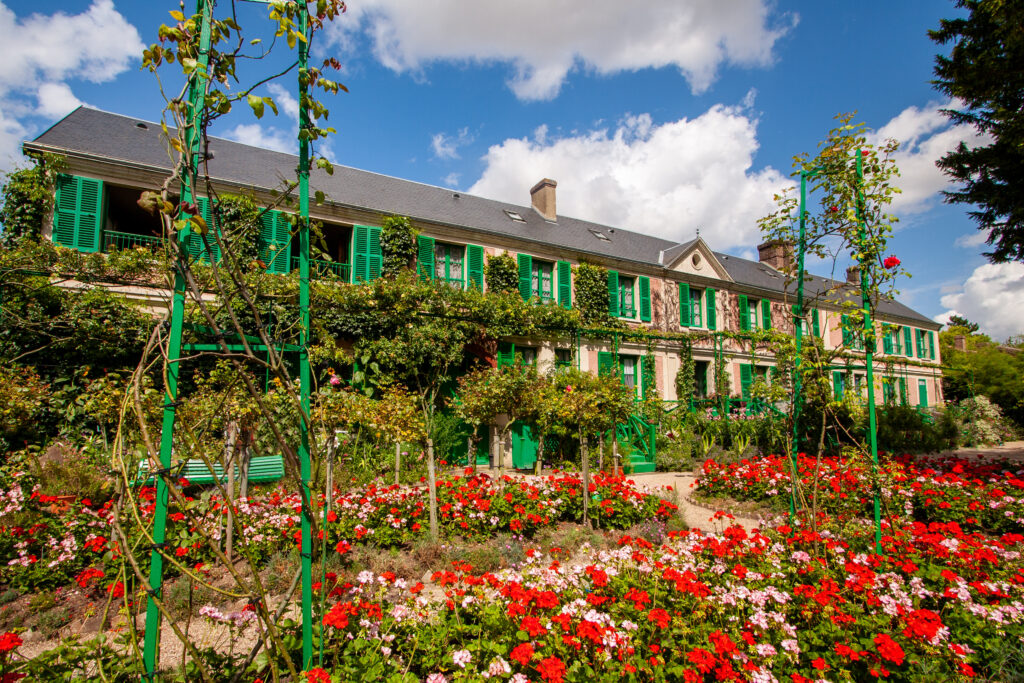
(527,354)
(448,264)
(563,358)
(696,309)
(629,368)
(700,379)
(754,313)
(626,307)
(889,391)
(542,280)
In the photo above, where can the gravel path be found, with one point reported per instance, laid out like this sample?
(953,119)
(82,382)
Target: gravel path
(694,514)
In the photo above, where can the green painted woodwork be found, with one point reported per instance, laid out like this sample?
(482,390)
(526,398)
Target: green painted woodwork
(525,273)
(908,347)
(78,213)
(275,231)
(425,257)
(746,379)
(367,261)
(506,355)
(613,293)
(744,306)
(524,446)
(710,308)
(922,393)
(766,314)
(645,298)
(816,323)
(605,363)
(931,345)
(564,284)
(837,384)
(684,304)
(475,266)
(262,469)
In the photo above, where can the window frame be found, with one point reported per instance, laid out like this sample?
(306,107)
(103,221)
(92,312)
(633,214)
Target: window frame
(447,248)
(623,310)
(537,280)
(696,307)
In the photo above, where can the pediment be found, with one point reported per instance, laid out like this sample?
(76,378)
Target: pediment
(696,258)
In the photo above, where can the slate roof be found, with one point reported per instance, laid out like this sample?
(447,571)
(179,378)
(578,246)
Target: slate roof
(134,141)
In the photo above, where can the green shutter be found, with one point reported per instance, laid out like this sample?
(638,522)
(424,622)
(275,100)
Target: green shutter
(564,284)
(506,355)
(78,213)
(645,389)
(525,272)
(375,259)
(613,293)
(360,248)
(766,314)
(425,257)
(65,211)
(711,312)
(908,348)
(274,241)
(904,398)
(887,341)
(920,343)
(837,384)
(90,214)
(816,323)
(746,379)
(475,266)
(922,393)
(847,332)
(605,363)
(744,312)
(684,304)
(931,345)
(645,299)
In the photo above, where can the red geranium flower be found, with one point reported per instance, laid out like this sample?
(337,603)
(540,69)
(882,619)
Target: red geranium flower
(317,675)
(9,641)
(551,669)
(522,653)
(889,649)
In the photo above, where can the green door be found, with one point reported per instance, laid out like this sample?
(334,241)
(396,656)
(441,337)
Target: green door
(922,393)
(524,447)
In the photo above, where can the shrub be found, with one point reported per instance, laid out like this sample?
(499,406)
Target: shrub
(981,422)
(397,244)
(903,429)
(502,274)
(592,293)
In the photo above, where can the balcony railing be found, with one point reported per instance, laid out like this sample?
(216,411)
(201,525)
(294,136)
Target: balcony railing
(319,269)
(126,240)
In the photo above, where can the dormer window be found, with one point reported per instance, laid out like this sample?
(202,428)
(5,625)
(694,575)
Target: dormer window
(514,215)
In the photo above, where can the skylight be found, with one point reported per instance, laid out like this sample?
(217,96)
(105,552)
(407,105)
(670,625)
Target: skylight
(599,235)
(514,216)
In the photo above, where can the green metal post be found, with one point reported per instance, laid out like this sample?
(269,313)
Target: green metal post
(798,317)
(304,331)
(869,347)
(196,93)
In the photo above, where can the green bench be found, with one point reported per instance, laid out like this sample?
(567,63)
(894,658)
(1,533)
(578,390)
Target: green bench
(262,469)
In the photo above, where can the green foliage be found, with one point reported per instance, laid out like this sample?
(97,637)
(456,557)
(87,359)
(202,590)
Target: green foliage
(397,244)
(981,423)
(449,434)
(592,293)
(983,77)
(23,399)
(904,429)
(590,403)
(486,393)
(984,369)
(502,274)
(238,218)
(27,199)
(958,321)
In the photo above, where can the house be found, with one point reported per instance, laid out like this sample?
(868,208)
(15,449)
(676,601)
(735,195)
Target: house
(665,286)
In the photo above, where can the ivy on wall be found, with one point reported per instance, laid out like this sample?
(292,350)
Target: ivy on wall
(502,274)
(397,245)
(592,293)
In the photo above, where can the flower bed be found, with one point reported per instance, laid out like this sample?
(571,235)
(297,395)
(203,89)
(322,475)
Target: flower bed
(941,604)
(59,545)
(978,495)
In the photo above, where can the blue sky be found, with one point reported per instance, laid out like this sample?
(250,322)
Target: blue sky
(656,116)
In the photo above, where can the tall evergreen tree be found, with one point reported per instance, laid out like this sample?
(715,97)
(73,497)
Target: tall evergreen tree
(984,72)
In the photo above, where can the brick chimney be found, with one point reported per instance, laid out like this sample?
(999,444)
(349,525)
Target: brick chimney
(776,253)
(543,197)
(853,275)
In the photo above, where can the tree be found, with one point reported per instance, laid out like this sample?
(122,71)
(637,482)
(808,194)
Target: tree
(960,321)
(485,394)
(983,71)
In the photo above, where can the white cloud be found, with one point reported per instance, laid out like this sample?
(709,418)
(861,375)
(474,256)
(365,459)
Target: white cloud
(285,101)
(447,146)
(39,53)
(544,40)
(925,135)
(991,297)
(452,179)
(665,180)
(268,138)
(971,240)
(56,100)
